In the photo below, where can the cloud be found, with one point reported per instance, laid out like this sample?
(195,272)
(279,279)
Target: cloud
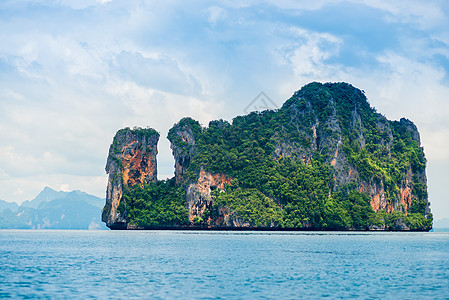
(423,15)
(415,90)
(65,188)
(160,110)
(216,14)
(416,13)
(160,72)
(73,73)
(308,55)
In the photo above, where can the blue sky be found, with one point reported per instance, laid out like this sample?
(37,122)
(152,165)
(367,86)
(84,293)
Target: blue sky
(74,72)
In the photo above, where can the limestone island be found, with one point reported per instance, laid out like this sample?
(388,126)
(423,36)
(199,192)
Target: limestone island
(326,160)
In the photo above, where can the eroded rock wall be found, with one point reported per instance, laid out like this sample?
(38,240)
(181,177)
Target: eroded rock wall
(199,186)
(325,135)
(182,139)
(199,193)
(340,131)
(131,160)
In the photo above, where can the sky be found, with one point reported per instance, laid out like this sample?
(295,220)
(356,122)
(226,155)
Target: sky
(72,73)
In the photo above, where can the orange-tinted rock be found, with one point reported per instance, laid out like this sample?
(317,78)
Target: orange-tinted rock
(406,197)
(199,193)
(340,131)
(131,160)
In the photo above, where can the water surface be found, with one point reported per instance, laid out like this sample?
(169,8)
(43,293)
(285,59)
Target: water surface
(227,265)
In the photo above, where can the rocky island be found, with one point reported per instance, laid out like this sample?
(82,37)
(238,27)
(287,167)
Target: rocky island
(326,160)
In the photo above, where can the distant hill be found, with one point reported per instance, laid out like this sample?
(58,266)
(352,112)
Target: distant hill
(46,195)
(54,210)
(90,199)
(8,205)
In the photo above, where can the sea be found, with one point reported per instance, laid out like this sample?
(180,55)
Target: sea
(54,264)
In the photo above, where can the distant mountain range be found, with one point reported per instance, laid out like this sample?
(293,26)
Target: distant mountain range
(54,210)
(8,205)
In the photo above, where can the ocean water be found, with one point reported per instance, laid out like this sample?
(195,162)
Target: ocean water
(222,265)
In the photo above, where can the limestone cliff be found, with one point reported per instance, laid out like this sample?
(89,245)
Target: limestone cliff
(131,161)
(182,138)
(326,160)
(359,124)
(366,152)
(198,187)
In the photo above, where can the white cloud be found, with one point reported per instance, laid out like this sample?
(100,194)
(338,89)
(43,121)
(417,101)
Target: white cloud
(308,57)
(74,72)
(162,73)
(301,5)
(65,188)
(422,14)
(216,14)
(18,192)
(305,53)
(161,110)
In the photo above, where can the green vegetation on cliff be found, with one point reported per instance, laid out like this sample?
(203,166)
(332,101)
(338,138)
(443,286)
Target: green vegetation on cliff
(278,155)
(316,163)
(160,203)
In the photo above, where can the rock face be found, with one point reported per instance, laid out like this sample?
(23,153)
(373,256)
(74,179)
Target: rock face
(411,175)
(131,160)
(198,192)
(355,163)
(326,129)
(182,140)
